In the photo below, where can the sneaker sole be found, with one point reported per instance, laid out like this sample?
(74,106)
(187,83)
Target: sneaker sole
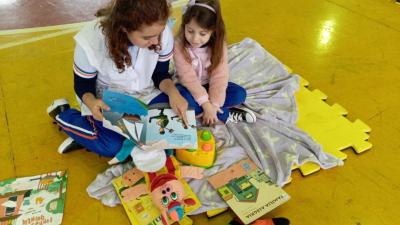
(252,116)
(62,147)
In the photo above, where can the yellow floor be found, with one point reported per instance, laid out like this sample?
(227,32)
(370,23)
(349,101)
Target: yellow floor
(349,49)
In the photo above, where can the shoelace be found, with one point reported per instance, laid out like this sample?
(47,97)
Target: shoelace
(235,117)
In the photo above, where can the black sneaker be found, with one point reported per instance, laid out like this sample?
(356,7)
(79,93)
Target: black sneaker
(69,145)
(237,114)
(58,106)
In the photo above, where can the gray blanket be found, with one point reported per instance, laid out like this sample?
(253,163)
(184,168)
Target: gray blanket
(274,143)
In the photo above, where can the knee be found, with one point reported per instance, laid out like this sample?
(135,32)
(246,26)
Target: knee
(237,93)
(68,114)
(108,148)
(242,94)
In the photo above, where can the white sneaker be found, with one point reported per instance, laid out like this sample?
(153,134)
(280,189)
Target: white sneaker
(69,145)
(241,114)
(58,106)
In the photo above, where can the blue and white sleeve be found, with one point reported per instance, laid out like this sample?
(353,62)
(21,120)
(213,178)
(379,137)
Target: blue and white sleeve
(85,75)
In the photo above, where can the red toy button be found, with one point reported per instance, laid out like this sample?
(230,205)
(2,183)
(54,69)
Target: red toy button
(206,147)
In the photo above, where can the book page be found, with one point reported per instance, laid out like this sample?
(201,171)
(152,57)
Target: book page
(164,124)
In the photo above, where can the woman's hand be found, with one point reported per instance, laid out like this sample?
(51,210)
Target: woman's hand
(210,114)
(179,104)
(95,105)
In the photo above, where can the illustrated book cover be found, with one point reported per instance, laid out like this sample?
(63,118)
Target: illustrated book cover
(33,200)
(247,190)
(141,210)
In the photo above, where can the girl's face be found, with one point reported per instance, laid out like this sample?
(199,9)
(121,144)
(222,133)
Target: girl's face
(196,35)
(147,35)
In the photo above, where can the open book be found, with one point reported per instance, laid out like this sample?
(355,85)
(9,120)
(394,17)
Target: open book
(247,190)
(148,128)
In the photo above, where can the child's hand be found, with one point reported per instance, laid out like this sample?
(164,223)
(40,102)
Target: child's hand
(95,106)
(210,114)
(179,104)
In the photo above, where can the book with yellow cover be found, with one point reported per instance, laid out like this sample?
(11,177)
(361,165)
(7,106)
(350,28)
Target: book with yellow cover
(247,190)
(141,210)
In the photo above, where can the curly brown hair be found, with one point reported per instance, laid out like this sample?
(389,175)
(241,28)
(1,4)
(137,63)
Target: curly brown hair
(122,16)
(209,20)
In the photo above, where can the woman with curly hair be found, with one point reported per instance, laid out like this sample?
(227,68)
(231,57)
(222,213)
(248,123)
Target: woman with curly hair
(127,48)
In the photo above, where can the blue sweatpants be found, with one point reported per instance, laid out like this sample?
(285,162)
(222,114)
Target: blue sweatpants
(235,95)
(90,133)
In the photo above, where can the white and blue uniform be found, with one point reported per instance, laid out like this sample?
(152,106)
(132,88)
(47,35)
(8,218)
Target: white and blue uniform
(94,71)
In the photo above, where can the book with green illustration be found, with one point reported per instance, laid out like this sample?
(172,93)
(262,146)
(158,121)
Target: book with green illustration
(158,128)
(33,200)
(247,190)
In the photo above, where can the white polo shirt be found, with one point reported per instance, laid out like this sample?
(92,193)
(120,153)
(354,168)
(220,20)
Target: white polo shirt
(92,59)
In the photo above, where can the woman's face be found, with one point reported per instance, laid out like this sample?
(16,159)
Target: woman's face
(147,35)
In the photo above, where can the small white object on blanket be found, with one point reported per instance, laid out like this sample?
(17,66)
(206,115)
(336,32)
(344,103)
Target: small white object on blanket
(148,161)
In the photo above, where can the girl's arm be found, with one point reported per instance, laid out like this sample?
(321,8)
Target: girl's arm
(188,77)
(219,81)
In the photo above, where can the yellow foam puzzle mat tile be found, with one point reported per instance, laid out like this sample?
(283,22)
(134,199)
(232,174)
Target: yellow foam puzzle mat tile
(328,125)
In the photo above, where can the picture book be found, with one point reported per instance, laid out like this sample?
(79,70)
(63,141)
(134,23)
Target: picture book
(148,128)
(247,190)
(33,200)
(141,210)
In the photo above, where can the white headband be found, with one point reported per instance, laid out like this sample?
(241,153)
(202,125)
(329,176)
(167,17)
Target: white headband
(193,3)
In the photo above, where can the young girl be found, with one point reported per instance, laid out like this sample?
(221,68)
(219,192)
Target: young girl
(201,61)
(127,48)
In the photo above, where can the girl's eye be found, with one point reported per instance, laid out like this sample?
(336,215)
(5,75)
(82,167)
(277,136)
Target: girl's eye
(203,34)
(164,201)
(174,196)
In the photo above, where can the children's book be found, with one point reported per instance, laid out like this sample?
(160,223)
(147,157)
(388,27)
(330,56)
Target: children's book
(248,191)
(148,128)
(33,200)
(142,210)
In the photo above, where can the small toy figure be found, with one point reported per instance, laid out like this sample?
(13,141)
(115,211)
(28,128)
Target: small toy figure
(168,192)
